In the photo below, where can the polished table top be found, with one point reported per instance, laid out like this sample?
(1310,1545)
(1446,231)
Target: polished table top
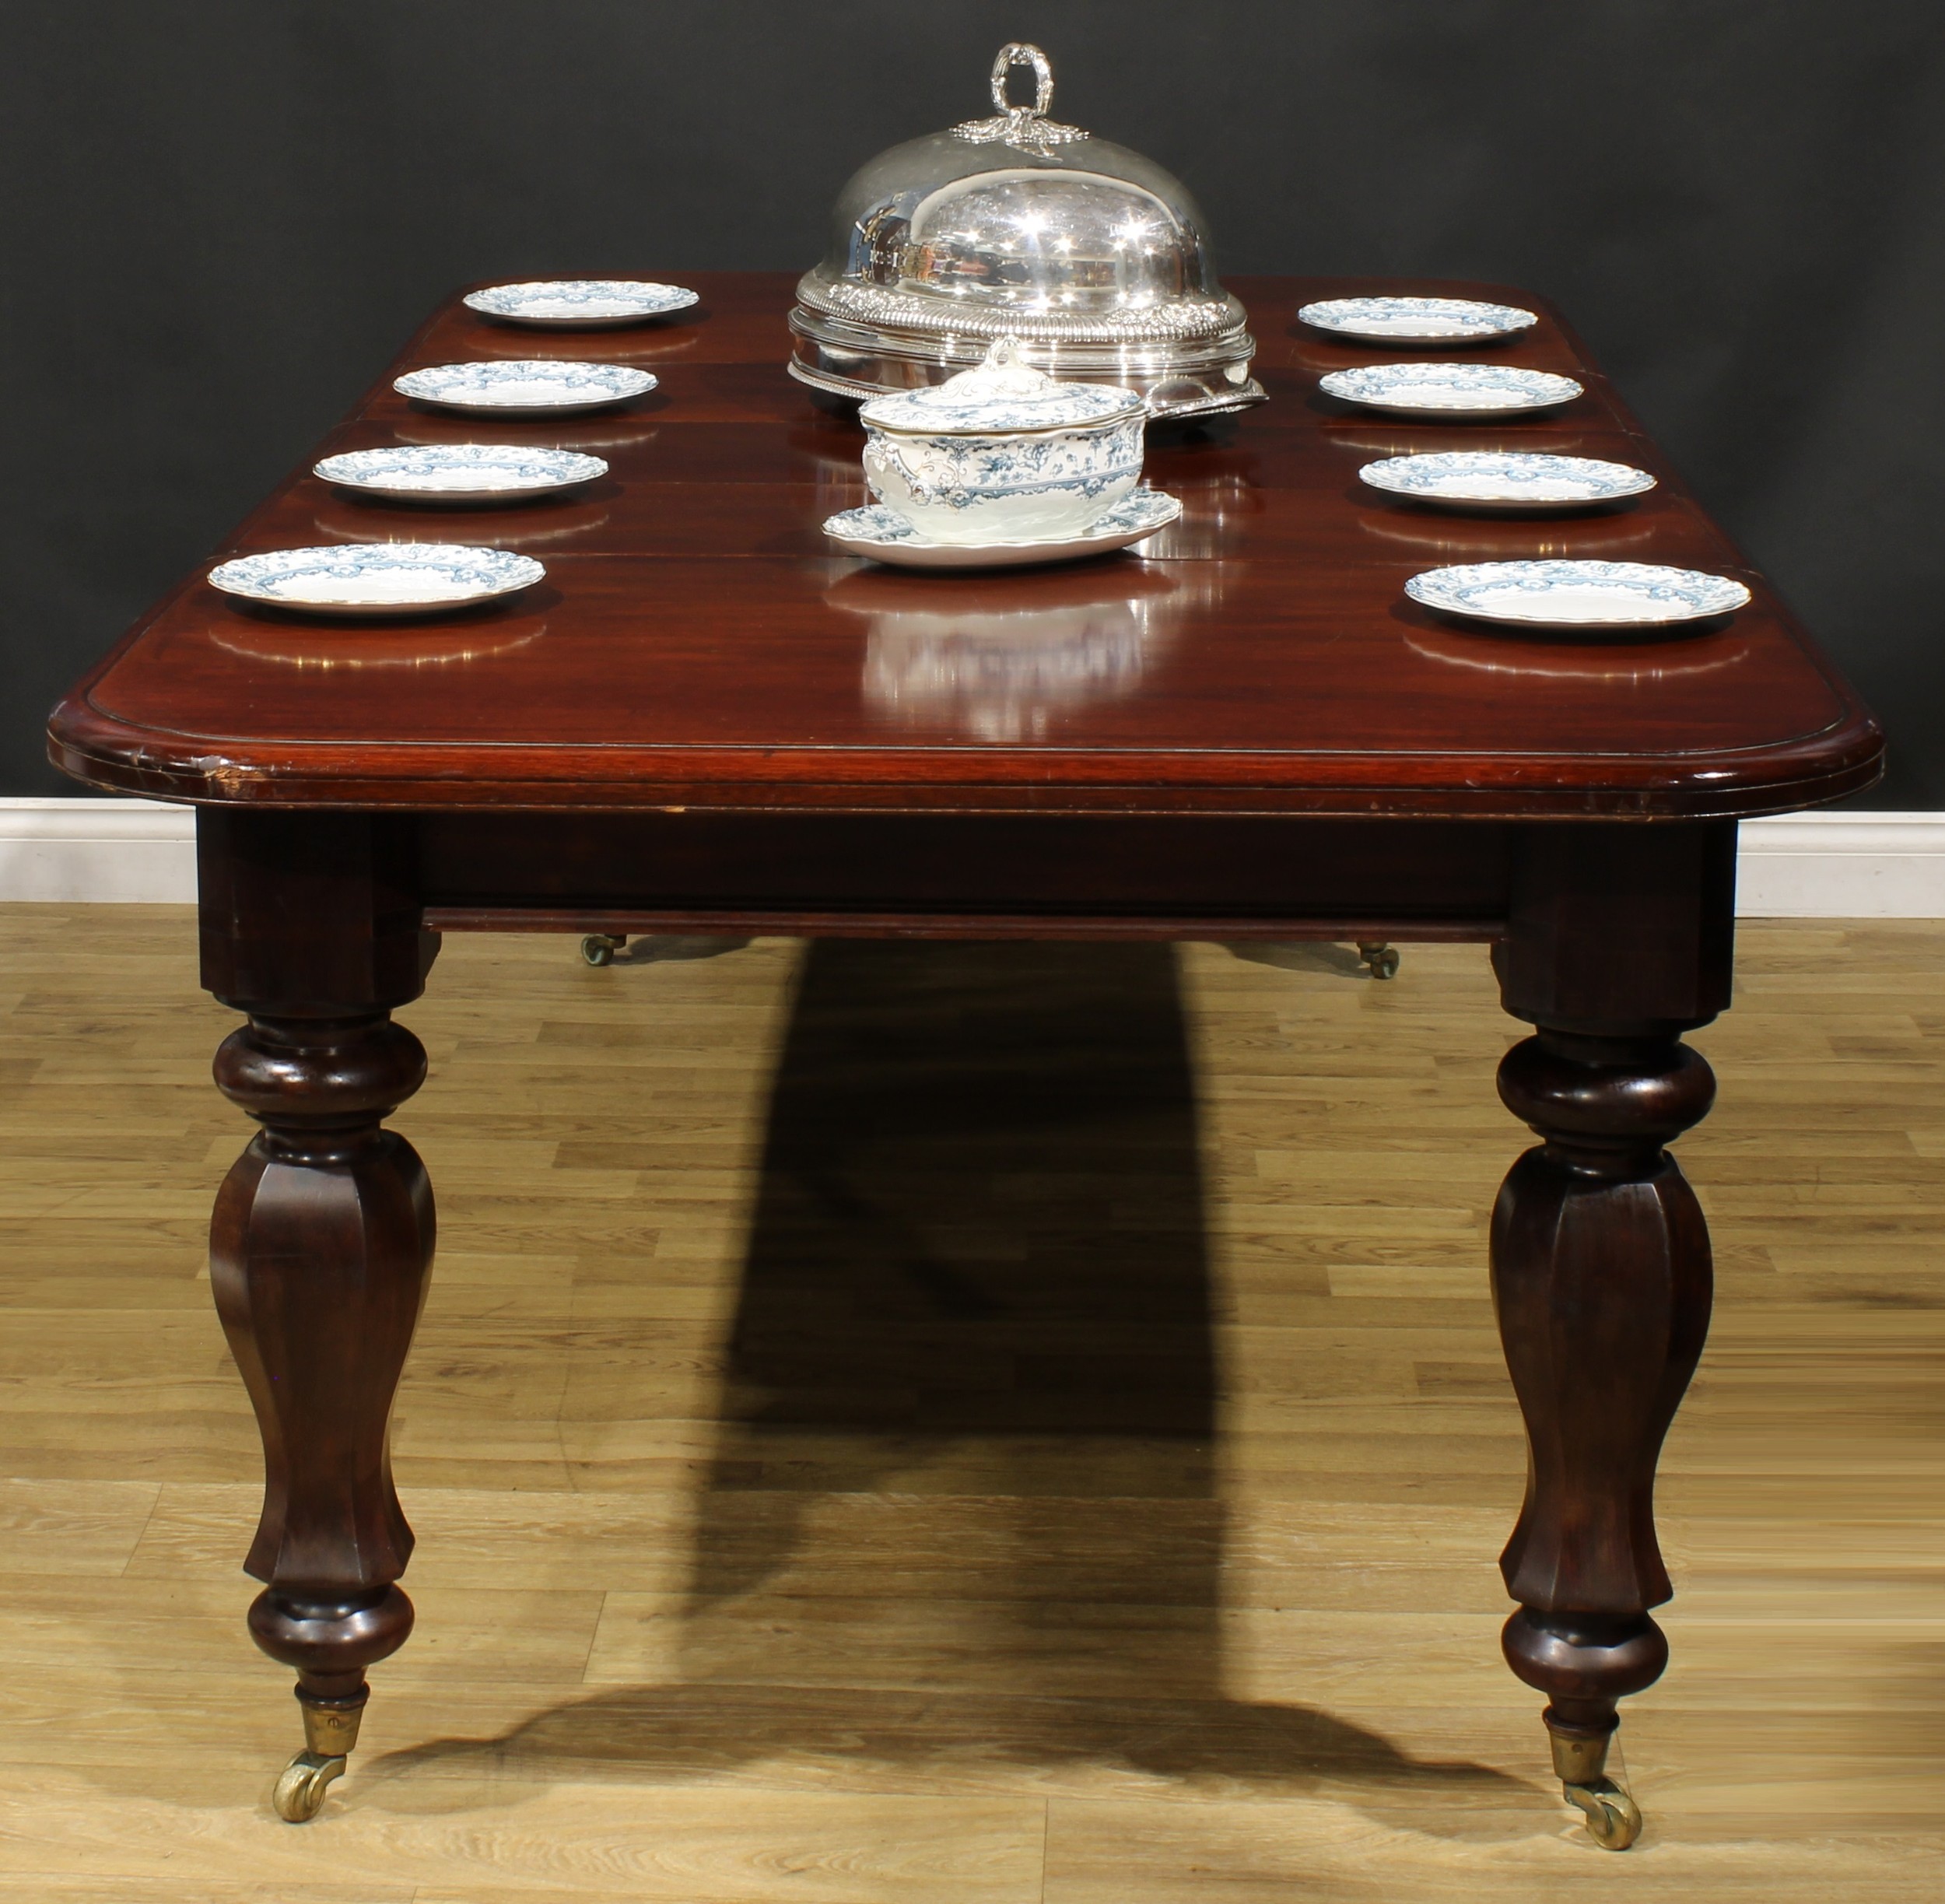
(696,643)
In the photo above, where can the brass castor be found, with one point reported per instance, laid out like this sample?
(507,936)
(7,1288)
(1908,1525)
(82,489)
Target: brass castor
(300,1789)
(599,948)
(331,1730)
(1614,1819)
(1580,1763)
(1380,960)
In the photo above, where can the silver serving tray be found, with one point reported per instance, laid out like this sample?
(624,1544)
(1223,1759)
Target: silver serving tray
(860,368)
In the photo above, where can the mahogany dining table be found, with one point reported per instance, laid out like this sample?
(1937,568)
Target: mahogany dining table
(704,720)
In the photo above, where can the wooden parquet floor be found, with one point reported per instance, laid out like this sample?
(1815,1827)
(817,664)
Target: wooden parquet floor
(1007,1426)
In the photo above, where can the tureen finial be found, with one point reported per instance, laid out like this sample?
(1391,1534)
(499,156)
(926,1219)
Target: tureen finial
(1001,374)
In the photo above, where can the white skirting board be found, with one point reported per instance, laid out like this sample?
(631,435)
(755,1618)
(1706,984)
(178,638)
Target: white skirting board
(1801,866)
(75,851)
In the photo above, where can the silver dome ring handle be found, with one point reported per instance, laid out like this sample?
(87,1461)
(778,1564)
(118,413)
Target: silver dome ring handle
(1026,127)
(1019,53)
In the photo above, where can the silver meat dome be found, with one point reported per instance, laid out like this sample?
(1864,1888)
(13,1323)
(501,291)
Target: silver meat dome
(1092,256)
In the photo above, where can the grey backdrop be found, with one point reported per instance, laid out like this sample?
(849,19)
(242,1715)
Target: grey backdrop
(224,216)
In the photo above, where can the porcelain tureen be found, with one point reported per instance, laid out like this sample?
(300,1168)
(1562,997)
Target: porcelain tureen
(1004,452)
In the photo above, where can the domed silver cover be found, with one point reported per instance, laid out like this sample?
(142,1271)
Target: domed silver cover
(1092,256)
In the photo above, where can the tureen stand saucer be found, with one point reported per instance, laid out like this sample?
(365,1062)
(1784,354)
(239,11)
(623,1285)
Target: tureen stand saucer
(883,535)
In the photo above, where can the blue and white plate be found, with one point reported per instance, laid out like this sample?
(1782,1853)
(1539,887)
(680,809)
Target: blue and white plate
(1577,594)
(378,578)
(525,386)
(460,472)
(1417,319)
(1493,481)
(1467,389)
(579,303)
(883,535)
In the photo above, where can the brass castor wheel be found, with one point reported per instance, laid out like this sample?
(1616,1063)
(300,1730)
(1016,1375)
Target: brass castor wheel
(1580,1763)
(1614,1819)
(1380,960)
(599,948)
(331,1730)
(300,1789)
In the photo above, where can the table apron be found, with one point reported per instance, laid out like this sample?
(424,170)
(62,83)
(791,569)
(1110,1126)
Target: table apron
(1609,922)
(997,876)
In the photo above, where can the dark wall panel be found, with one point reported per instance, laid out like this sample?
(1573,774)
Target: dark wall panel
(222,216)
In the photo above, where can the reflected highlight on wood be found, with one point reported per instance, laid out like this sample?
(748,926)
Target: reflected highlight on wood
(703,647)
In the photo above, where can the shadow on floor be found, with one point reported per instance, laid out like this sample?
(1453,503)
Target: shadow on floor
(680,948)
(962,1521)
(1301,956)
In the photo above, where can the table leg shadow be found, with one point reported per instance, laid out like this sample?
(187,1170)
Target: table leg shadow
(963,1520)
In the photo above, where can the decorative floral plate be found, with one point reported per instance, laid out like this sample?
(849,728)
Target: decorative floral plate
(460,472)
(579,303)
(1472,390)
(883,535)
(1495,480)
(525,386)
(378,578)
(1578,595)
(1417,319)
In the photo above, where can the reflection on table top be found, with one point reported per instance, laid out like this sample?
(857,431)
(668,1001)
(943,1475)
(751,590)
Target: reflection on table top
(695,640)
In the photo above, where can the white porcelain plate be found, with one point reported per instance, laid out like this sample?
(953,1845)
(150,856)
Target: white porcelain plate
(1577,594)
(1496,480)
(1417,319)
(886,536)
(460,472)
(378,578)
(525,386)
(579,303)
(1469,390)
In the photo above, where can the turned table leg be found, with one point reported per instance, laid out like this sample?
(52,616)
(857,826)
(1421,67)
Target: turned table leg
(319,1250)
(321,1238)
(1620,940)
(1600,1277)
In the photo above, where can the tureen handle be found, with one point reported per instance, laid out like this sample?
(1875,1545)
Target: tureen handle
(1019,53)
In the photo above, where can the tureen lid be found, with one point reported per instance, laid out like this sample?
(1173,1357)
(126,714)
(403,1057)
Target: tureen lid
(1018,225)
(1003,395)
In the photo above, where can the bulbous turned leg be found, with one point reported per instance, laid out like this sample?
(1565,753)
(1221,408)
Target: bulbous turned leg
(319,1250)
(1601,1280)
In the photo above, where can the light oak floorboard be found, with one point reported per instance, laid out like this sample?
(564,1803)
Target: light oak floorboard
(1013,1425)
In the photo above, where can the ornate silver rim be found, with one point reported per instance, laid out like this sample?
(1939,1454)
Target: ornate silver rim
(1188,321)
(1110,360)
